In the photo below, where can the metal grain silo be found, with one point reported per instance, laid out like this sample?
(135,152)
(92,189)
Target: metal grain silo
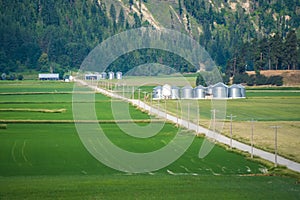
(119,75)
(175,92)
(157,92)
(235,91)
(111,75)
(220,91)
(243,91)
(199,92)
(103,75)
(209,90)
(187,92)
(166,91)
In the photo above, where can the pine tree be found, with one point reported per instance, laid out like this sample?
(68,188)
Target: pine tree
(291,49)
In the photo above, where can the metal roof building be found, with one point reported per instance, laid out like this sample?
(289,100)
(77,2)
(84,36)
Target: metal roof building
(48,76)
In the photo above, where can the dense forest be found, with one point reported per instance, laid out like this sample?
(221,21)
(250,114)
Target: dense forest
(56,35)
(260,37)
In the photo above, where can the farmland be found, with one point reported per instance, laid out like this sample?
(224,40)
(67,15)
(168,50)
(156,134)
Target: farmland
(42,160)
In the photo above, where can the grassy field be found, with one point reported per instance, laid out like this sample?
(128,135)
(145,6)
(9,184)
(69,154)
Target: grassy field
(267,106)
(46,161)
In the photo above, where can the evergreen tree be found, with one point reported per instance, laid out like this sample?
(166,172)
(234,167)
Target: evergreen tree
(121,19)
(291,49)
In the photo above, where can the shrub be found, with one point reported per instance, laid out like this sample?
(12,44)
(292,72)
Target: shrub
(200,80)
(3,126)
(240,78)
(261,80)
(20,77)
(275,80)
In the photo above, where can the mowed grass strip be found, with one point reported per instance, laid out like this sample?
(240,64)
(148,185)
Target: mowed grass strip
(148,187)
(32,110)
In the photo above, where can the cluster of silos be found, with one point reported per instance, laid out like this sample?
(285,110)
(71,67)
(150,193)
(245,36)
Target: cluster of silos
(217,91)
(103,75)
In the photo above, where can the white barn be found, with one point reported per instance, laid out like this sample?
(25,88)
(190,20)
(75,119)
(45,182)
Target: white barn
(48,76)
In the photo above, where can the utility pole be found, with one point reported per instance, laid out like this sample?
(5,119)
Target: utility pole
(214,120)
(133,92)
(177,107)
(188,115)
(144,99)
(166,107)
(252,130)
(231,116)
(123,90)
(198,118)
(139,96)
(275,143)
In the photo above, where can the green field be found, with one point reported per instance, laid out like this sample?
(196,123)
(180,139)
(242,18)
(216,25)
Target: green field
(46,161)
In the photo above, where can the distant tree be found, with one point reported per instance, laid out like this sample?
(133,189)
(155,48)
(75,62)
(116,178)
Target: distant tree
(276,56)
(137,21)
(180,7)
(112,12)
(291,49)
(130,4)
(121,18)
(200,80)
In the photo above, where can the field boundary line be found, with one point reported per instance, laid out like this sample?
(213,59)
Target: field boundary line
(79,121)
(215,136)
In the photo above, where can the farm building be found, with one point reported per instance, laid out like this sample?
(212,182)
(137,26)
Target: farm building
(199,92)
(157,92)
(111,75)
(220,91)
(92,76)
(217,91)
(175,92)
(48,76)
(243,90)
(187,92)
(103,75)
(166,91)
(119,75)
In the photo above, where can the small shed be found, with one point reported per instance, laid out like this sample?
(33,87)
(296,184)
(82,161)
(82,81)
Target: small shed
(175,92)
(119,75)
(157,92)
(220,91)
(199,92)
(166,91)
(48,76)
(187,92)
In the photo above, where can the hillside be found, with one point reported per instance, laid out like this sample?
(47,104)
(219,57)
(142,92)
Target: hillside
(290,77)
(55,36)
